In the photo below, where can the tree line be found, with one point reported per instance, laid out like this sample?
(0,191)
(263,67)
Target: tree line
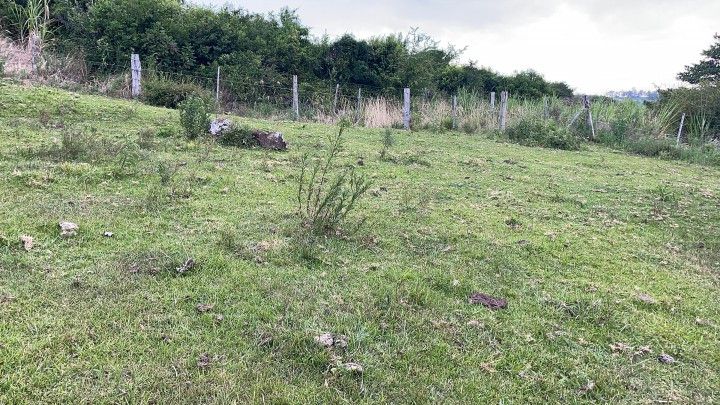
(173,36)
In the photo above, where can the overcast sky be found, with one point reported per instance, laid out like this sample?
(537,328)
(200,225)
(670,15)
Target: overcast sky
(594,45)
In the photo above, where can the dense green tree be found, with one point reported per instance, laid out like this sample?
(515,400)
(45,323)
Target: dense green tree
(560,89)
(707,69)
(527,84)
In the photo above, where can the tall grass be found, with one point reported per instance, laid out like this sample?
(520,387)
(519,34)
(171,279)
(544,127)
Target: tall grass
(32,20)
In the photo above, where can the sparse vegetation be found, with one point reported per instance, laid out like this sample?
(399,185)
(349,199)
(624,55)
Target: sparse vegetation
(545,133)
(195,117)
(388,141)
(171,94)
(239,136)
(326,195)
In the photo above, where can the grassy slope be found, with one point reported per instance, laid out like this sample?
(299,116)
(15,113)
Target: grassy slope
(81,327)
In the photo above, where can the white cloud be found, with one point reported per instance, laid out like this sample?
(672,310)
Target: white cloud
(594,45)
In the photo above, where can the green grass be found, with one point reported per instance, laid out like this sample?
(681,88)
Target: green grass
(96,320)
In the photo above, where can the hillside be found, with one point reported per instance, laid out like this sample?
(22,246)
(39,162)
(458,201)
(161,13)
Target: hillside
(607,261)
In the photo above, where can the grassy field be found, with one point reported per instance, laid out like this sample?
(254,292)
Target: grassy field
(608,261)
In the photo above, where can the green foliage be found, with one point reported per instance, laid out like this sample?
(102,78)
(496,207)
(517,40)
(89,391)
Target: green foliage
(545,133)
(700,103)
(166,132)
(146,138)
(666,149)
(30,17)
(327,195)
(239,136)
(528,84)
(175,37)
(195,116)
(170,94)
(708,69)
(388,141)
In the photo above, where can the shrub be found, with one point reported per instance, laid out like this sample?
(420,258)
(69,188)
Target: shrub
(545,133)
(166,132)
(239,136)
(195,117)
(325,195)
(146,138)
(170,94)
(664,148)
(469,127)
(75,145)
(388,142)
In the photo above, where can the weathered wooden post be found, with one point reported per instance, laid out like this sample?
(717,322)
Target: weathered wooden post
(503,110)
(217,87)
(454,112)
(358,109)
(406,108)
(492,100)
(586,102)
(546,108)
(335,101)
(296,98)
(136,75)
(680,131)
(34,45)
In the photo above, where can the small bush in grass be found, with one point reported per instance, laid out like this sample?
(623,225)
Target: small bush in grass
(166,132)
(447,124)
(664,148)
(469,127)
(240,136)
(146,138)
(195,117)
(75,145)
(388,142)
(545,133)
(327,195)
(170,94)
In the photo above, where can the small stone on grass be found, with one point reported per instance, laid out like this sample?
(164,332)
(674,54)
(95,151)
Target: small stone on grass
(666,359)
(331,340)
(647,299)
(488,301)
(28,242)
(68,229)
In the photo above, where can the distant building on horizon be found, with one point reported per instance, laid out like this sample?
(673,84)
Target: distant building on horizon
(639,96)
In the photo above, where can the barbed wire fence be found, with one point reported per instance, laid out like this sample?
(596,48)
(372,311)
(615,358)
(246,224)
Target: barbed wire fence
(280,96)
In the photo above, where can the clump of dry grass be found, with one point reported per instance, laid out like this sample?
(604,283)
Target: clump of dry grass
(17,58)
(381,113)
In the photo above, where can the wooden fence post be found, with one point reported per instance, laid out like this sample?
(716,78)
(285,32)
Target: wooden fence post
(335,101)
(136,75)
(34,51)
(586,102)
(680,131)
(406,108)
(296,98)
(454,112)
(358,110)
(504,96)
(217,88)
(546,108)
(492,100)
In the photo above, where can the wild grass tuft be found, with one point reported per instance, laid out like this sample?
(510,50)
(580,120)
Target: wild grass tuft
(326,195)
